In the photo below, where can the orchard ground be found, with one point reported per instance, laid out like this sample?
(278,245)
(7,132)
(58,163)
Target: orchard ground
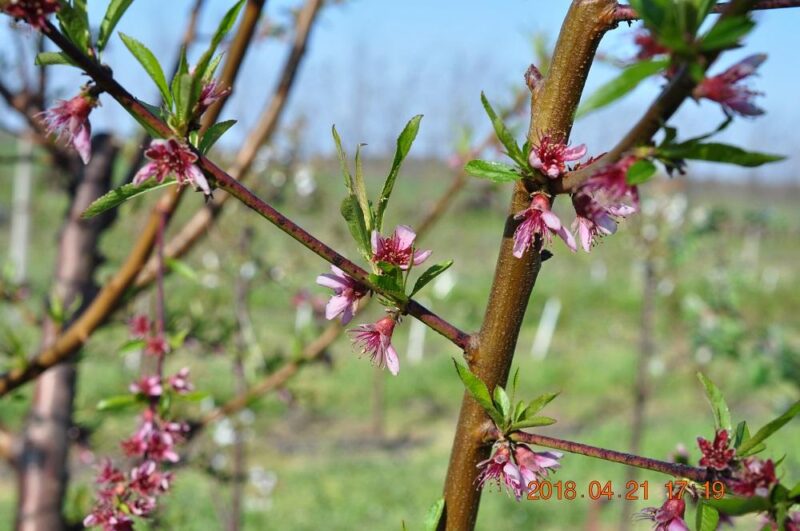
(727,304)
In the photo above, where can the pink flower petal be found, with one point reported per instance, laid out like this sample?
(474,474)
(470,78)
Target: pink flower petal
(392,361)
(405,236)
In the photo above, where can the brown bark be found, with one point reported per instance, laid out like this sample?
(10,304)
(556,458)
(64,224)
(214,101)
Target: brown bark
(491,353)
(42,462)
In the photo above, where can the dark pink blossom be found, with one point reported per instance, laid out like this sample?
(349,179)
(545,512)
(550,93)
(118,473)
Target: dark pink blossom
(156,346)
(34,12)
(668,517)
(155,439)
(397,249)
(538,219)
(139,326)
(550,157)
(209,95)
(649,47)
(716,454)
(593,220)
(501,469)
(346,294)
(755,478)
(149,386)
(534,466)
(148,480)
(171,157)
(69,120)
(376,340)
(111,519)
(109,474)
(180,381)
(609,188)
(726,90)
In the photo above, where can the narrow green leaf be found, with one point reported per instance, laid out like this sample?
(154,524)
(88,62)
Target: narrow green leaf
(118,196)
(722,415)
(351,212)
(717,152)
(504,135)
(348,179)
(391,285)
(74,22)
(150,65)
(431,273)
(361,191)
(115,403)
(618,87)
(727,33)
(742,433)
(532,422)
(193,396)
(213,134)
(184,98)
(114,12)
(769,429)
(640,172)
(704,8)
(502,401)
(224,27)
(493,171)
(404,142)
(519,411)
(706,518)
(53,58)
(182,268)
(434,515)
(735,506)
(132,345)
(795,492)
(538,403)
(479,392)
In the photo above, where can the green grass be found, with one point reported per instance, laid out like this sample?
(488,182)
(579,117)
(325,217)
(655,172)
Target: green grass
(329,469)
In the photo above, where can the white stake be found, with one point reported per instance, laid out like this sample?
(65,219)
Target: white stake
(547,325)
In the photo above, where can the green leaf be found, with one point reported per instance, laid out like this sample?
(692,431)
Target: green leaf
(722,415)
(184,99)
(53,58)
(74,22)
(132,345)
(150,65)
(493,171)
(434,515)
(431,273)
(538,403)
(213,134)
(706,518)
(625,82)
(735,506)
(391,285)
(479,392)
(182,268)
(361,191)
(502,401)
(640,172)
(519,411)
(727,33)
(770,428)
(742,433)
(351,212)
(348,179)
(114,12)
(193,396)
(795,492)
(115,403)
(224,27)
(118,196)
(717,152)
(404,142)
(532,422)
(504,135)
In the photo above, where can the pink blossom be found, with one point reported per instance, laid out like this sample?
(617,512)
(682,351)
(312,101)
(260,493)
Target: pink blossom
(156,346)
(34,12)
(550,157)
(210,94)
(398,248)
(110,518)
(716,454)
(668,517)
(609,188)
(147,480)
(155,439)
(375,340)
(534,466)
(501,469)
(139,326)
(180,381)
(346,294)
(109,473)
(149,386)
(756,477)
(648,46)
(538,219)
(592,220)
(69,119)
(172,157)
(726,90)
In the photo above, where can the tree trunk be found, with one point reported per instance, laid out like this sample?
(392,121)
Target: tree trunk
(42,463)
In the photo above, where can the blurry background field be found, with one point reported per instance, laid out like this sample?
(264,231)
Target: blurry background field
(726,303)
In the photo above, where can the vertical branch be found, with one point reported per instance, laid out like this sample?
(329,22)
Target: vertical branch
(490,355)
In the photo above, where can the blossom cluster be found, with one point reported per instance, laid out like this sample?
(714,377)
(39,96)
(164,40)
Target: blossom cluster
(514,466)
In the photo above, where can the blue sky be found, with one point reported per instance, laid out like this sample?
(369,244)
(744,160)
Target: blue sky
(372,64)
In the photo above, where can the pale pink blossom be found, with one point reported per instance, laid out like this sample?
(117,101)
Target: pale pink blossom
(668,517)
(726,90)
(539,220)
(397,249)
(593,220)
(180,381)
(534,466)
(69,120)
(171,157)
(346,294)
(376,340)
(550,157)
(34,12)
(149,386)
(501,469)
